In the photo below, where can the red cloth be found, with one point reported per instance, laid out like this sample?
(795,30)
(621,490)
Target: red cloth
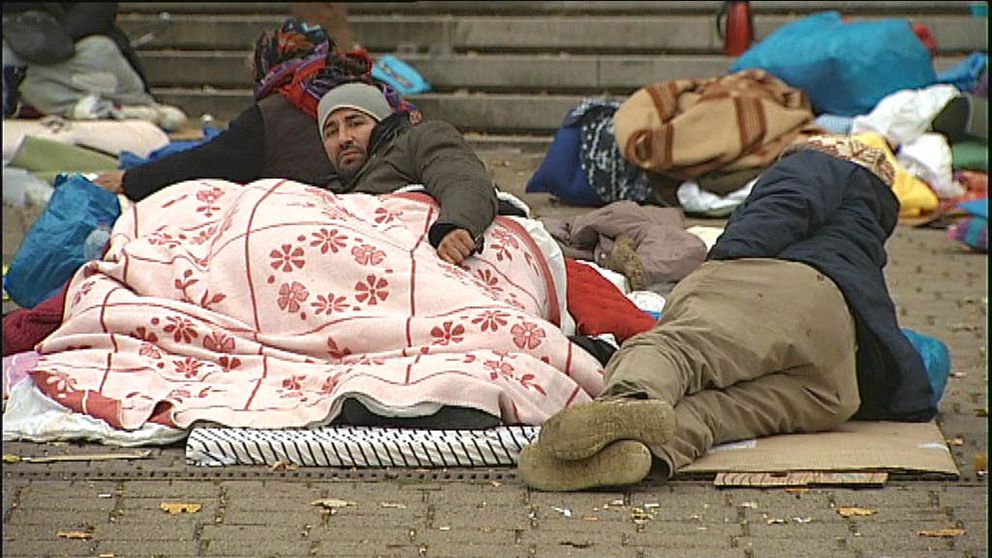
(926,37)
(598,306)
(26,327)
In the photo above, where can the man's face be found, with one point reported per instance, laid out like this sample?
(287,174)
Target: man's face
(346,140)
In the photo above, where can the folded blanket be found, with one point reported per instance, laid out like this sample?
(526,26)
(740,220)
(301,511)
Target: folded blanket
(266,305)
(690,127)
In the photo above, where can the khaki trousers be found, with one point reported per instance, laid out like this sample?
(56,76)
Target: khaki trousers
(744,348)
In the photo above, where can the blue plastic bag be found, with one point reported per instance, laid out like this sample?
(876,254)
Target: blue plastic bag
(399,75)
(966,74)
(52,250)
(936,359)
(128,160)
(844,68)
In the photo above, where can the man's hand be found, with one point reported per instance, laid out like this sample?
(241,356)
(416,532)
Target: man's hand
(112,181)
(456,246)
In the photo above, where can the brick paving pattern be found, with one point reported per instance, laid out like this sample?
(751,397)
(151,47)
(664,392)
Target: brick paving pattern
(940,290)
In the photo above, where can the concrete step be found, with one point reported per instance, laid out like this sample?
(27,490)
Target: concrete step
(575,34)
(478,113)
(578,74)
(637,7)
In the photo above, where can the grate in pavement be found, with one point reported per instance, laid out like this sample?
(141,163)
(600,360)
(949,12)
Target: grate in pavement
(239,473)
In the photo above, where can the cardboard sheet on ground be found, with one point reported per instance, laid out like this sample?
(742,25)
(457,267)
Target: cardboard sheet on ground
(854,446)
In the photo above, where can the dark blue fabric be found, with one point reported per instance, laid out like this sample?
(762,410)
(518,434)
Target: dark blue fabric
(52,250)
(835,216)
(844,67)
(561,173)
(128,160)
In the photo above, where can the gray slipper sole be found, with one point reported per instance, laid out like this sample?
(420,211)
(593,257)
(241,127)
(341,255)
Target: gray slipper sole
(621,463)
(581,431)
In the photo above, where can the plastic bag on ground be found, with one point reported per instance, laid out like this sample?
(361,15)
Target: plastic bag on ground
(52,250)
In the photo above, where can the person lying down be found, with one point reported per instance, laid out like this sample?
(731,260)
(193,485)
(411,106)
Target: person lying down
(278,304)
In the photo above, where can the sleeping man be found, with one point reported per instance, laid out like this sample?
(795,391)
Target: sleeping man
(278,304)
(789,327)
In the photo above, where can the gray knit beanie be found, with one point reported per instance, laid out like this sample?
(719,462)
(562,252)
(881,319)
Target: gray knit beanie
(359,96)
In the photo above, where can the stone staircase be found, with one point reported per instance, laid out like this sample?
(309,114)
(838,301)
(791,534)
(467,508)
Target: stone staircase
(497,68)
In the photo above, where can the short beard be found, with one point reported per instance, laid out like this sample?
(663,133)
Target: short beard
(346,175)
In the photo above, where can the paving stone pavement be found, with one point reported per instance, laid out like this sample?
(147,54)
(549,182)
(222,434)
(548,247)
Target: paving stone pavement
(940,290)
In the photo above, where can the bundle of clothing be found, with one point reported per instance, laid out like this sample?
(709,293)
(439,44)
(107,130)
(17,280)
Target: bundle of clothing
(719,132)
(302,62)
(690,143)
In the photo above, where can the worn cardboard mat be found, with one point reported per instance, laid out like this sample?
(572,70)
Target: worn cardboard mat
(854,454)
(854,446)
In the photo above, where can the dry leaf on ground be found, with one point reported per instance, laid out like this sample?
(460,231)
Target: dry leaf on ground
(981,463)
(85,535)
(331,503)
(851,512)
(176,508)
(945,532)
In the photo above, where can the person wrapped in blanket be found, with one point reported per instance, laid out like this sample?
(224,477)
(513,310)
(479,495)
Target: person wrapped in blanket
(293,66)
(788,327)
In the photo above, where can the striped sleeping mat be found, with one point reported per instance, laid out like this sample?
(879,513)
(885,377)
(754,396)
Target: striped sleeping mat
(350,446)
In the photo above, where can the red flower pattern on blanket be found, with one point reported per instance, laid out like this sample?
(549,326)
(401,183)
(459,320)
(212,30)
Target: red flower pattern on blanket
(265,305)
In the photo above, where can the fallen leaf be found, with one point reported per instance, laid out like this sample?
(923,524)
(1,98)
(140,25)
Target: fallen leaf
(75,534)
(283,466)
(749,505)
(564,511)
(640,516)
(331,503)
(981,463)
(776,521)
(496,484)
(850,512)
(955,442)
(176,508)
(945,532)
(802,519)
(393,505)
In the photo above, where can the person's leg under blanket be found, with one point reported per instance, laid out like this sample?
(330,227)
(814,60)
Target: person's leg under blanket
(744,348)
(98,68)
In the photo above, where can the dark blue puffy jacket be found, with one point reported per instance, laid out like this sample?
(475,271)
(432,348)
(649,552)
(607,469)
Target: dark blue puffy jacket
(835,216)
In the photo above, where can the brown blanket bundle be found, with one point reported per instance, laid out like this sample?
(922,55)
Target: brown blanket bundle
(728,125)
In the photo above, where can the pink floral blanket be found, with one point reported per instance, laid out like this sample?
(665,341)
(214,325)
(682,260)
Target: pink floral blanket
(266,305)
